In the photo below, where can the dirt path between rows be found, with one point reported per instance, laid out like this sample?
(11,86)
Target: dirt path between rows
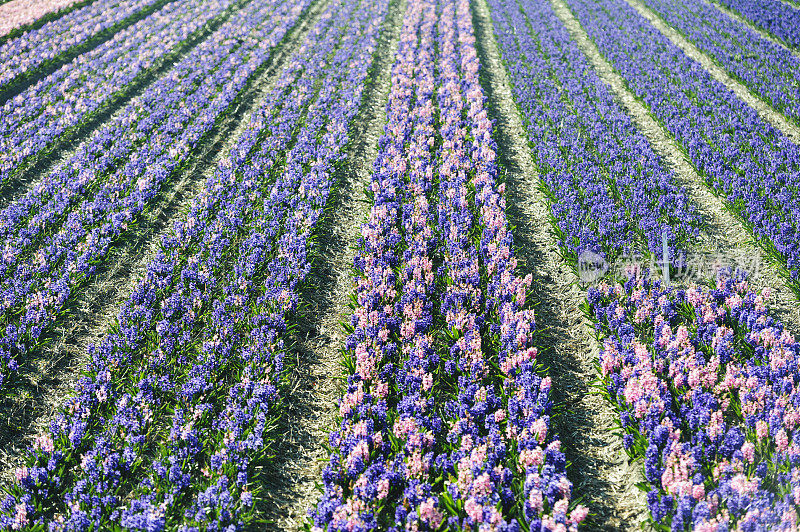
(763,33)
(723,236)
(601,475)
(50,376)
(764,110)
(790,3)
(311,407)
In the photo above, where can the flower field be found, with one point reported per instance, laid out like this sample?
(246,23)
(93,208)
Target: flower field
(347,265)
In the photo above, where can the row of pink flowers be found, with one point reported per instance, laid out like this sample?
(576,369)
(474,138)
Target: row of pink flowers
(445,420)
(708,390)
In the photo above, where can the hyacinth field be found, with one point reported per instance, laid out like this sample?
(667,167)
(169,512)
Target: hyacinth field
(402,265)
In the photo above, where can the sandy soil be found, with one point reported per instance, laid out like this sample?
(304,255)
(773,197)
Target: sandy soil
(311,403)
(602,477)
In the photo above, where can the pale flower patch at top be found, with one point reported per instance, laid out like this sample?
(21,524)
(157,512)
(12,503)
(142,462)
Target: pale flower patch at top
(37,47)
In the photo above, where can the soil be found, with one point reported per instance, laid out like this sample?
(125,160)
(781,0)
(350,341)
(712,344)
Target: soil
(602,477)
(311,401)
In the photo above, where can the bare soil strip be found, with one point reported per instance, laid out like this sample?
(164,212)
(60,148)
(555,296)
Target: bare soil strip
(764,110)
(763,33)
(31,173)
(50,377)
(602,477)
(791,3)
(311,403)
(722,236)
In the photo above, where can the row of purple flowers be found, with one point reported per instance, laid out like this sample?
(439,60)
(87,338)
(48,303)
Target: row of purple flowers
(180,399)
(445,419)
(768,69)
(36,118)
(740,156)
(37,48)
(58,234)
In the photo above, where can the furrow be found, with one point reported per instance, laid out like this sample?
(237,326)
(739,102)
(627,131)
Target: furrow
(602,477)
(314,380)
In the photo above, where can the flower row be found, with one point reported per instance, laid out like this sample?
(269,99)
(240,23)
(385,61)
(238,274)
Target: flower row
(38,47)
(697,479)
(608,189)
(80,210)
(778,18)
(514,421)
(179,402)
(445,419)
(768,69)
(741,157)
(34,120)
(706,385)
